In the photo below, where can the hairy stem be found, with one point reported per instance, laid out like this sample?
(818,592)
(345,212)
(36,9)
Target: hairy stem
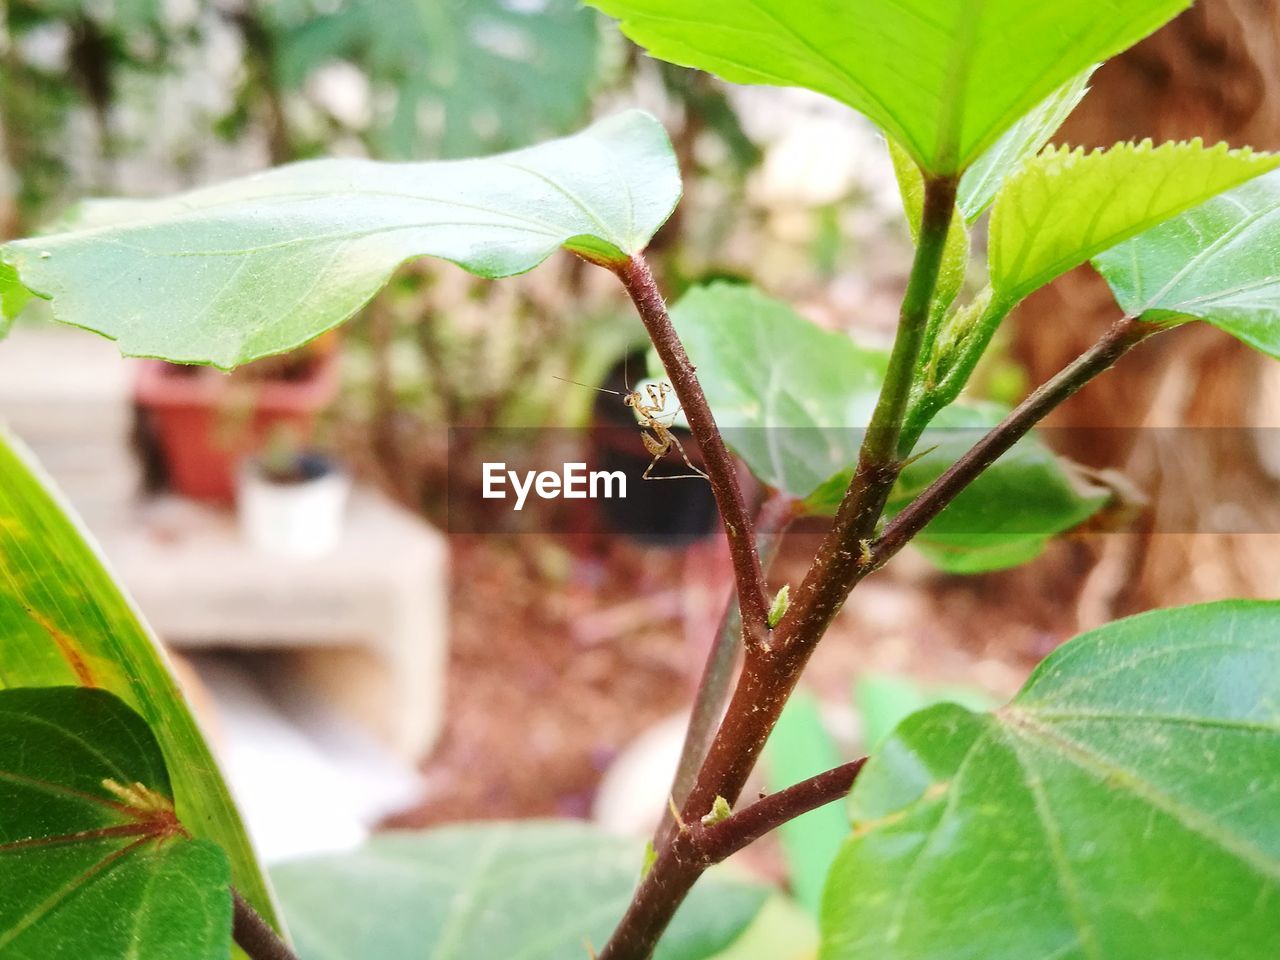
(772,521)
(772,669)
(254,935)
(720,466)
(1123,336)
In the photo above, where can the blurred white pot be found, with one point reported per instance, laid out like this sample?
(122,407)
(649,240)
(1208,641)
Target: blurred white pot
(301,517)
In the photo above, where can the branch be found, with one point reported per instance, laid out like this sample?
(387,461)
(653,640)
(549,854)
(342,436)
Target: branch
(767,680)
(772,521)
(722,840)
(772,668)
(839,562)
(1122,337)
(845,557)
(254,935)
(721,469)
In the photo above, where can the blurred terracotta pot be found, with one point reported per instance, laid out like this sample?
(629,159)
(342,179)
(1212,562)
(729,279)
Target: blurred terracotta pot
(205,422)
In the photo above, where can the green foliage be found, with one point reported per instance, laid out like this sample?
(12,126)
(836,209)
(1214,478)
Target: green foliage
(13,297)
(782,930)
(1123,805)
(521,891)
(93,861)
(489,75)
(800,747)
(256,266)
(945,78)
(982,181)
(1009,514)
(65,621)
(1218,262)
(1066,206)
(792,400)
(884,700)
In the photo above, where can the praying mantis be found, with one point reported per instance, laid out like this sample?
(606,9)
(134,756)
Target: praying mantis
(650,407)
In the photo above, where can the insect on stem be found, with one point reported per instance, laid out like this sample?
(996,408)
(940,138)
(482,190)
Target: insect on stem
(655,424)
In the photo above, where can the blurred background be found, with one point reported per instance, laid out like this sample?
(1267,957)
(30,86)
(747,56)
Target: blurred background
(287,529)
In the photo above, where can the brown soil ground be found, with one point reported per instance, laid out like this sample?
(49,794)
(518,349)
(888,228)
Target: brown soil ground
(565,649)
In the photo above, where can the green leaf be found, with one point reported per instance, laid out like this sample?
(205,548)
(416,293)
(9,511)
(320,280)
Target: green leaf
(520,891)
(493,75)
(1125,805)
(945,78)
(1218,263)
(790,398)
(982,181)
(884,700)
(64,620)
(800,747)
(256,266)
(1066,205)
(782,930)
(1009,514)
(13,296)
(93,860)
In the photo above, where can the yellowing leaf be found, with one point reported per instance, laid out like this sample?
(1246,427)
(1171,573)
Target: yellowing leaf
(1066,205)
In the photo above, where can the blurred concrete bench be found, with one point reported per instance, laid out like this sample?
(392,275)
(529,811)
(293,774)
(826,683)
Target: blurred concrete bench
(367,624)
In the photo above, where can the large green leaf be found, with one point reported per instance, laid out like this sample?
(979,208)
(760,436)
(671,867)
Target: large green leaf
(490,75)
(93,860)
(519,891)
(1219,262)
(1066,205)
(1125,805)
(64,620)
(790,398)
(945,78)
(259,265)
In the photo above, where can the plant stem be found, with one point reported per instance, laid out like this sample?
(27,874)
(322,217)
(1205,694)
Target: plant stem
(767,680)
(774,517)
(771,670)
(722,471)
(720,841)
(254,935)
(1123,336)
(695,847)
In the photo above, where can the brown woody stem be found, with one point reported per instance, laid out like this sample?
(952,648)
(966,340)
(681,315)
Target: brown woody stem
(775,515)
(254,935)
(720,841)
(721,469)
(1122,337)
(772,669)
